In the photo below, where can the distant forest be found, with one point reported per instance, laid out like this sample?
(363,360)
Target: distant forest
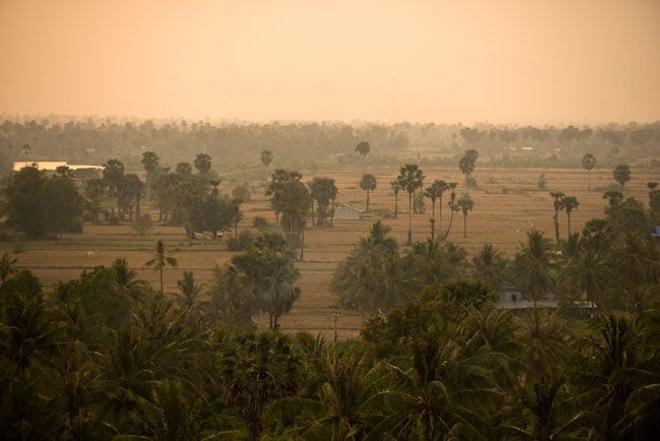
(306,144)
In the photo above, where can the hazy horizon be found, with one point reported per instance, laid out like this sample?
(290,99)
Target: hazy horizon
(509,62)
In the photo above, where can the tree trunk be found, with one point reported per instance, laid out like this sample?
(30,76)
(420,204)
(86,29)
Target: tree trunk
(410,210)
(568,223)
(302,244)
(588,180)
(161,281)
(464,225)
(396,205)
(137,207)
(556,221)
(440,213)
(451,221)
(433,219)
(367,201)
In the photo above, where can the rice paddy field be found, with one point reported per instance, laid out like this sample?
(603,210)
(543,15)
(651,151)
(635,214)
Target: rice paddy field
(508,202)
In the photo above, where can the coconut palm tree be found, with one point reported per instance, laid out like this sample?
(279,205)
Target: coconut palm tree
(569,203)
(189,290)
(465,204)
(368,184)
(533,264)
(557,197)
(127,278)
(586,274)
(489,267)
(435,192)
(615,362)
(589,162)
(411,178)
(160,261)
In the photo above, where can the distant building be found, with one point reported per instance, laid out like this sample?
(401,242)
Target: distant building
(346,212)
(52,165)
(511,299)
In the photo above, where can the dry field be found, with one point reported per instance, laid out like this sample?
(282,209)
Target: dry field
(497,218)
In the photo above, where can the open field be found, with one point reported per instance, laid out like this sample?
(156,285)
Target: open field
(500,219)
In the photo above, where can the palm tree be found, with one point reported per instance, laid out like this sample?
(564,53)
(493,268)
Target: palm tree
(7,263)
(569,203)
(435,192)
(215,183)
(557,204)
(614,365)
(189,290)
(490,266)
(203,163)
(543,401)
(150,165)
(613,197)
(363,149)
(622,174)
(465,204)
(395,186)
(452,206)
(586,274)
(160,261)
(126,278)
(533,265)
(266,159)
(368,184)
(589,162)
(468,163)
(411,178)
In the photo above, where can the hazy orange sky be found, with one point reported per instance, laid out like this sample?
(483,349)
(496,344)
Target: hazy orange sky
(443,61)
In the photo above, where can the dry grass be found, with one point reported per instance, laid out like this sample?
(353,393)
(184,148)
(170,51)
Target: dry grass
(500,219)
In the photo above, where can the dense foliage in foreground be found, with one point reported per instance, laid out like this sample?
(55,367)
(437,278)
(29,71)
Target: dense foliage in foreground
(105,357)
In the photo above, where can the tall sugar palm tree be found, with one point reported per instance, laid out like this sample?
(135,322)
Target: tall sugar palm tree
(569,203)
(160,261)
(363,149)
(368,184)
(589,162)
(435,192)
(453,207)
(622,174)
(613,197)
(412,178)
(557,197)
(465,204)
(266,159)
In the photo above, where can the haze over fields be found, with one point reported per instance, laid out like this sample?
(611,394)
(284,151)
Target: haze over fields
(503,62)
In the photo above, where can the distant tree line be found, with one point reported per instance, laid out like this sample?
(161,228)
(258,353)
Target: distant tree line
(238,144)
